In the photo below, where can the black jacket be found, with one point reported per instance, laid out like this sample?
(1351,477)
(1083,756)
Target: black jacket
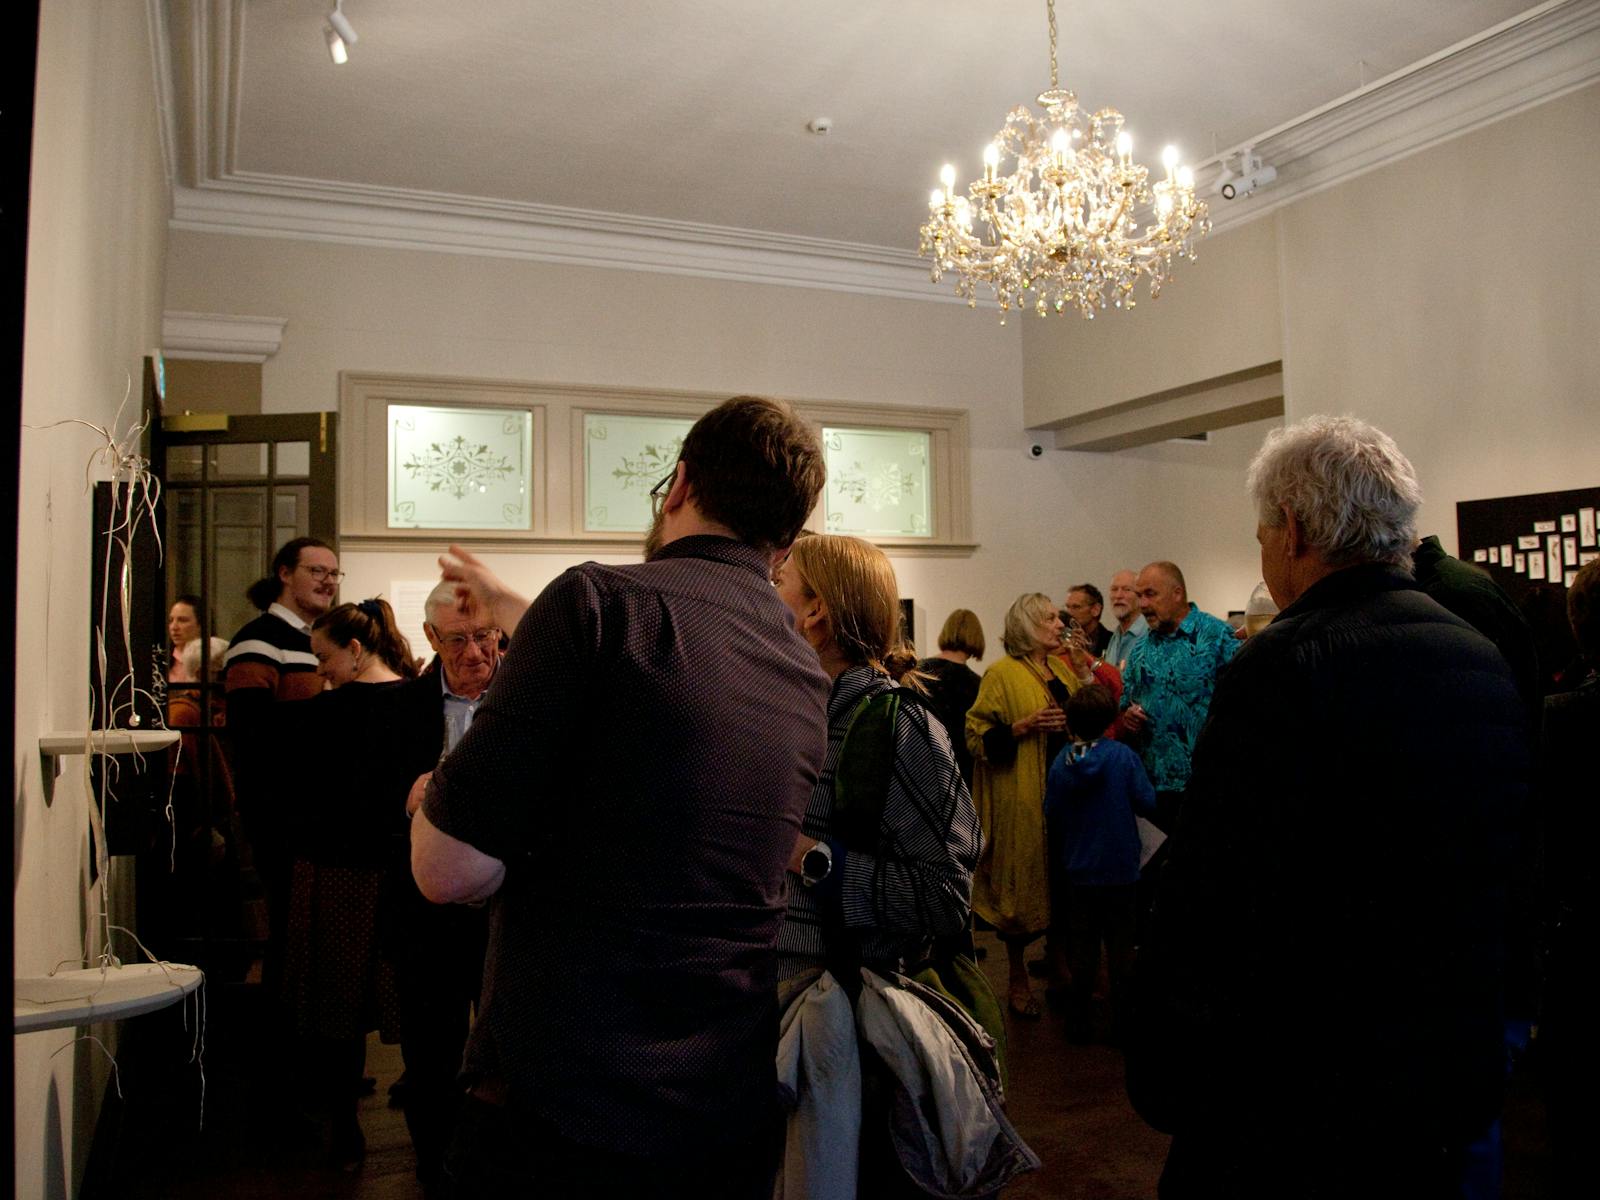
(1320,999)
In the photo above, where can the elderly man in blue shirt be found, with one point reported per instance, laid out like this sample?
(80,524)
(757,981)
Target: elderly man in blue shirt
(1167,688)
(1131,625)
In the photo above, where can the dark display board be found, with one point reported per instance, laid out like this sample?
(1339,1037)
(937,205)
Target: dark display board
(1532,546)
(1547,537)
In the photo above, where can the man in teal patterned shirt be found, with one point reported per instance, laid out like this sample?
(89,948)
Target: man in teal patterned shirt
(1171,674)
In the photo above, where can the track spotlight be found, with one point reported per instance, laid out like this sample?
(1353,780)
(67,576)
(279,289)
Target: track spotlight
(341,24)
(340,33)
(1251,174)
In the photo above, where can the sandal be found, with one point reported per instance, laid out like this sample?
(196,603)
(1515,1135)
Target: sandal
(1029,1007)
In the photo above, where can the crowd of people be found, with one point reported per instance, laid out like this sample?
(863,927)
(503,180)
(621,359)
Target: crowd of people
(608,860)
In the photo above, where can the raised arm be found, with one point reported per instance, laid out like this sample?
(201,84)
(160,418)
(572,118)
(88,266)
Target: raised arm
(480,588)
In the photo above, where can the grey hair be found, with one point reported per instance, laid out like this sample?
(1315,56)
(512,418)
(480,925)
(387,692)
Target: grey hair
(1022,618)
(217,650)
(442,596)
(1352,491)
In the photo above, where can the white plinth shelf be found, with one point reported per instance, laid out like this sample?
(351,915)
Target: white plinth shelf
(106,741)
(87,996)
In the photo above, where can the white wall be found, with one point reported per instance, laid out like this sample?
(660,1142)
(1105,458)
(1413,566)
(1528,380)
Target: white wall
(97,240)
(1040,523)
(1468,326)
(1450,298)
(1217,315)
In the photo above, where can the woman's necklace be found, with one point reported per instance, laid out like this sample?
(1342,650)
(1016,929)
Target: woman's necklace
(1043,675)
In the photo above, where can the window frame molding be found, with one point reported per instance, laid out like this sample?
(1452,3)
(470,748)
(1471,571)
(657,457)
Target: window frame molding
(559,502)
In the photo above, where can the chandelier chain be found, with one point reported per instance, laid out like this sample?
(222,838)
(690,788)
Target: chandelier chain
(1051,4)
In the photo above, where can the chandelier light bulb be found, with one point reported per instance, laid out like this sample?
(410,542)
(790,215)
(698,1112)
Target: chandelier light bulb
(1169,158)
(1186,178)
(991,160)
(1124,145)
(947,176)
(935,198)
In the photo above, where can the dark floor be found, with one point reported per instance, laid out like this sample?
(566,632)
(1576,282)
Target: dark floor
(1066,1100)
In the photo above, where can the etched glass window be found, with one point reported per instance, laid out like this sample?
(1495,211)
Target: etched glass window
(624,456)
(460,468)
(879,482)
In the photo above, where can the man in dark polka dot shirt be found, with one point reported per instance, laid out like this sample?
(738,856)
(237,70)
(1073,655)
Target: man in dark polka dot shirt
(627,798)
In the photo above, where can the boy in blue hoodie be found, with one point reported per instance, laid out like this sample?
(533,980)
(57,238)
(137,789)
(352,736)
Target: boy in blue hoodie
(1092,793)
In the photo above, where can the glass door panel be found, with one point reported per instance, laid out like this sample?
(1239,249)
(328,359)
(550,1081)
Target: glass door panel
(247,460)
(290,505)
(237,488)
(238,549)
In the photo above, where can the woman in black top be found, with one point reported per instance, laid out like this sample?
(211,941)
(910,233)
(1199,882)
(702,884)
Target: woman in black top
(346,797)
(951,685)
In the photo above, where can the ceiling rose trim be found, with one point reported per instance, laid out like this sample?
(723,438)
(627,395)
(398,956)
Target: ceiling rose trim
(221,337)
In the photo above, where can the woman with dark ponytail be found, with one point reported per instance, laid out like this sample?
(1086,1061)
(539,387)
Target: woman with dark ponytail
(348,828)
(361,643)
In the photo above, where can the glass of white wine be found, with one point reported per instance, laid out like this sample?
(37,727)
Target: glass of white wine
(1258,613)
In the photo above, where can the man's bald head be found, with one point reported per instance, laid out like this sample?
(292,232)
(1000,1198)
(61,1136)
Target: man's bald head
(1163,595)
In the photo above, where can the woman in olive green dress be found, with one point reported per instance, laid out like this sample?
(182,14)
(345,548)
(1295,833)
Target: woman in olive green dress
(1014,729)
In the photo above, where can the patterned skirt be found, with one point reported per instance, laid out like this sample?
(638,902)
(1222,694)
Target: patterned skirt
(336,981)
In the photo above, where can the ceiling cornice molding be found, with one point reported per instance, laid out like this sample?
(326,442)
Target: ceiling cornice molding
(221,337)
(1531,59)
(1536,57)
(572,238)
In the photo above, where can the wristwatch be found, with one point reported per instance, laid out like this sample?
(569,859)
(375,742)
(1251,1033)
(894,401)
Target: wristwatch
(816,864)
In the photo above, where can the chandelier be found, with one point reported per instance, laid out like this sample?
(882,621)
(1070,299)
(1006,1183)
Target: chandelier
(1063,227)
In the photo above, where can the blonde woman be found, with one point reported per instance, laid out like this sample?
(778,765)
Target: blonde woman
(1014,729)
(890,890)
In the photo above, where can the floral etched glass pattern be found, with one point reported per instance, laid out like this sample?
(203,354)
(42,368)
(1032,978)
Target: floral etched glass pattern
(624,456)
(460,468)
(878,482)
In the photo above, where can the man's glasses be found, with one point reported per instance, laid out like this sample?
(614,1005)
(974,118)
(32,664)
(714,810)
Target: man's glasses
(321,574)
(455,643)
(658,494)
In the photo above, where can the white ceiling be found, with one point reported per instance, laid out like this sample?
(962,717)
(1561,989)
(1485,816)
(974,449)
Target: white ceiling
(695,111)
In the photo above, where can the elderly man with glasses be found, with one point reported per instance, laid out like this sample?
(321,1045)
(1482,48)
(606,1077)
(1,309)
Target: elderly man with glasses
(437,949)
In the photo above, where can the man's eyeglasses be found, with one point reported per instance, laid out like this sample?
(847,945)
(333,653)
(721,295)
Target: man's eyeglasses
(483,639)
(658,494)
(321,574)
